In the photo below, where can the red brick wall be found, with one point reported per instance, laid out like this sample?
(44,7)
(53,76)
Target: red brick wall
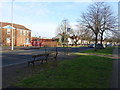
(50,43)
(19,40)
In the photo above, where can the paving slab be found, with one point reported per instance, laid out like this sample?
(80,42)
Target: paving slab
(116,70)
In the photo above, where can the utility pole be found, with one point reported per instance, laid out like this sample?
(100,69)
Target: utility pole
(119,20)
(12,24)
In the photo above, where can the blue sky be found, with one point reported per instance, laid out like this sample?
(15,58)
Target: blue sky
(44,17)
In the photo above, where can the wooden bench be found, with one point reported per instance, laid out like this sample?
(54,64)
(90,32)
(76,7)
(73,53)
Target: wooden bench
(44,57)
(39,57)
(53,54)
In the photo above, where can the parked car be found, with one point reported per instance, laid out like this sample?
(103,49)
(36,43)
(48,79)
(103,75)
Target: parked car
(100,46)
(109,45)
(91,45)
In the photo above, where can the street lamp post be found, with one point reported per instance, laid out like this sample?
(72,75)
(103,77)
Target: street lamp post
(119,20)
(12,24)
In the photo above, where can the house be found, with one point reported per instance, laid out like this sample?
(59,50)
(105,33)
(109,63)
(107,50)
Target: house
(21,34)
(71,41)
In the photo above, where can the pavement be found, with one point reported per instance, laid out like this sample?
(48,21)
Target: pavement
(116,70)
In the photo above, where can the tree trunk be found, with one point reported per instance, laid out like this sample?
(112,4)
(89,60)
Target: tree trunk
(75,44)
(101,38)
(96,41)
(81,42)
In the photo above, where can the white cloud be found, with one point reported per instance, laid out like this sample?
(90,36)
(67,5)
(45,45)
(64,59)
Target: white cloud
(25,11)
(32,8)
(42,29)
(1,6)
(4,9)
(70,6)
(74,25)
(24,14)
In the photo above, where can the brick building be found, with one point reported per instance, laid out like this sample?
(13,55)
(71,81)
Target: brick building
(21,34)
(44,42)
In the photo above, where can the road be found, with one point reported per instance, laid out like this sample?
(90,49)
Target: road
(21,56)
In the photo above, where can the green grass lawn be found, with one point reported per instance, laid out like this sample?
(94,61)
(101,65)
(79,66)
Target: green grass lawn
(83,72)
(106,51)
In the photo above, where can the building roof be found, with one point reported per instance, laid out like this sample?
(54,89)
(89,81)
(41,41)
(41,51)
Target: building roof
(17,26)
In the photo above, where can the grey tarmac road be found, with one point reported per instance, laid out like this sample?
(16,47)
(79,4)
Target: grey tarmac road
(22,56)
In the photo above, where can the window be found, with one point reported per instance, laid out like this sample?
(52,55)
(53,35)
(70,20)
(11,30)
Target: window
(8,31)
(24,32)
(20,32)
(27,33)
(8,40)
(27,41)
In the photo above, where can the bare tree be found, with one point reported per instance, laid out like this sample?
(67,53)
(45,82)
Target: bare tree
(63,30)
(89,35)
(75,37)
(116,37)
(92,19)
(85,33)
(99,18)
(77,34)
(81,33)
(112,37)
(108,21)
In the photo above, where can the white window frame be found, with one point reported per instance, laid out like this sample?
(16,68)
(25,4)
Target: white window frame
(8,40)
(8,31)
(27,33)
(24,32)
(27,40)
(21,32)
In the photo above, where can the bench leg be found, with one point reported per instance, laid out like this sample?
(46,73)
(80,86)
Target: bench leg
(46,60)
(41,61)
(28,64)
(55,58)
(32,62)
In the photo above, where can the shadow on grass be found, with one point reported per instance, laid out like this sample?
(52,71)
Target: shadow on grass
(83,72)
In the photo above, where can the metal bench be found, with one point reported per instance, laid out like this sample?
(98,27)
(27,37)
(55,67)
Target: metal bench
(53,54)
(39,57)
(43,57)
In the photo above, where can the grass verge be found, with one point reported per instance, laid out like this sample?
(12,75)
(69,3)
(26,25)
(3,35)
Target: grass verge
(106,51)
(83,72)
